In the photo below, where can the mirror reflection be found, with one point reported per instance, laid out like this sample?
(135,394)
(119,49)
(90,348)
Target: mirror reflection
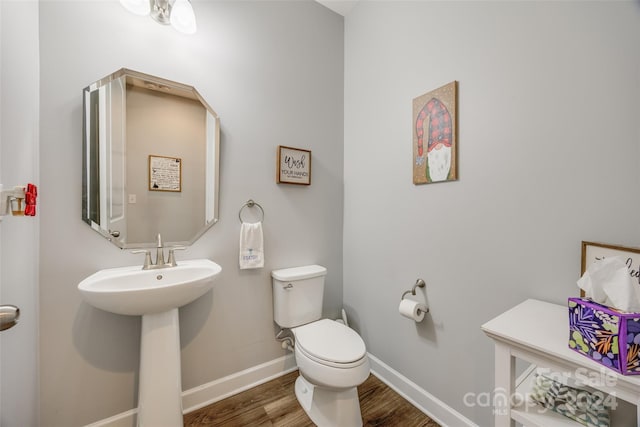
(150,160)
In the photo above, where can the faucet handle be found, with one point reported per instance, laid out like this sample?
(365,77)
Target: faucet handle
(147,257)
(159,240)
(172,257)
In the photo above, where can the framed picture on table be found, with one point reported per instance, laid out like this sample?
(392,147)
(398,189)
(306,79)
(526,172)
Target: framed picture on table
(592,252)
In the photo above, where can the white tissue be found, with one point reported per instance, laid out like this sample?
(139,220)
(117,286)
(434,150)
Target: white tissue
(412,309)
(608,282)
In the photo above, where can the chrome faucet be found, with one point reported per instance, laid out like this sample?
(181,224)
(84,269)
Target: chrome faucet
(159,251)
(160,262)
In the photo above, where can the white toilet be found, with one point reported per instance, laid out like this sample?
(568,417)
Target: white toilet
(331,357)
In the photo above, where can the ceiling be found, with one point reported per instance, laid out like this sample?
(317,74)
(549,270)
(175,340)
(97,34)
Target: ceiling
(343,7)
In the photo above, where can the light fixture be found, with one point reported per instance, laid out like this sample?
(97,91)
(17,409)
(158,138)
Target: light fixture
(182,17)
(178,13)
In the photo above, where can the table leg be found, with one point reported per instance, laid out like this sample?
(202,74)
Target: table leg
(505,368)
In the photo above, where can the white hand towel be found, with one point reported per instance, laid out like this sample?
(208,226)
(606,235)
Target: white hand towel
(251,246)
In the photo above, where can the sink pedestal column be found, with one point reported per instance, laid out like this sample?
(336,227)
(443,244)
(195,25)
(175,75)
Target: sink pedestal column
(160,385)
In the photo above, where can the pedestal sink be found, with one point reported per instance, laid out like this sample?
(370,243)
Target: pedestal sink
(155,295)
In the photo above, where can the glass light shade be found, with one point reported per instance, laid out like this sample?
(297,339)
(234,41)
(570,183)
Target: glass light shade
(182,17)
(139,7)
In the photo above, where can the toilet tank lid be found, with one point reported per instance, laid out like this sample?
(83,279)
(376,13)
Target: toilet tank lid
(299,273)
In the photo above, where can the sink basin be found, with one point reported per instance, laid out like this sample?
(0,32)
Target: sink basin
(155,295)
(133,291)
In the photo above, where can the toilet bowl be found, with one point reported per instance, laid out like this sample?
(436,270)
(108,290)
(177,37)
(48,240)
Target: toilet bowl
(330,354)
(331,357)
(332,361)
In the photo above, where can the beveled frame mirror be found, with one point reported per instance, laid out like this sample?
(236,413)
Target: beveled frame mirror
(151,155)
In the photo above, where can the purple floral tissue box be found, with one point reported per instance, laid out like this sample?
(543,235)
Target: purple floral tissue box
(610,337)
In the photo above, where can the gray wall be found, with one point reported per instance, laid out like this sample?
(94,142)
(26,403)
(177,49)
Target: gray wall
(549,100)
(540,170)
(273,71)
(169,126)
(19,78)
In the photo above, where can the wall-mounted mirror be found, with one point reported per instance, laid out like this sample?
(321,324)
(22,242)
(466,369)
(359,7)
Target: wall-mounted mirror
(150,160)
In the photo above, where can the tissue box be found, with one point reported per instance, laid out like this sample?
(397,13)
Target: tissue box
(608,336)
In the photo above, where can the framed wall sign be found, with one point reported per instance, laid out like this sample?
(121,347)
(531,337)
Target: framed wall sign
(294,166)
(591,252)
(165,173)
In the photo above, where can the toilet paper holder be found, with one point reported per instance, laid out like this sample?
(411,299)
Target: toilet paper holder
(419,284)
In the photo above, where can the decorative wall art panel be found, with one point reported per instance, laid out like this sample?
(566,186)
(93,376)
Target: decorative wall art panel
(435,136)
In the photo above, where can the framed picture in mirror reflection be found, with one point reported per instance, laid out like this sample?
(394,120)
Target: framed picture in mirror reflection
(165,173)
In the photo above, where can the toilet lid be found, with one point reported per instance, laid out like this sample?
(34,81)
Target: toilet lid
(331,341)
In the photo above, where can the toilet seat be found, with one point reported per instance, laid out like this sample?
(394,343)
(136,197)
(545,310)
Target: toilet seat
(331,344)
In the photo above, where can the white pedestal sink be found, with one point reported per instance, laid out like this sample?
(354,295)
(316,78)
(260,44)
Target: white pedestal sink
(155,295)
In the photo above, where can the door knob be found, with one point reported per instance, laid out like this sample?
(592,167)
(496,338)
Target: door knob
(8,316)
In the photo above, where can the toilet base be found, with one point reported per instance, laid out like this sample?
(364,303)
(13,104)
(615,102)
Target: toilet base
(329,407)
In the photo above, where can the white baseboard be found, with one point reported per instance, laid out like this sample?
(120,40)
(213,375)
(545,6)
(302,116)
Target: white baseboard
(433,407)
(214,391)
(123,419)
(206,394)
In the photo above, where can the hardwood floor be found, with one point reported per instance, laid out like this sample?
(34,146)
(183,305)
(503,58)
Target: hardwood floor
(274,404)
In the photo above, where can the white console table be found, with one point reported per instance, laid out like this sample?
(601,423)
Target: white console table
(538,332)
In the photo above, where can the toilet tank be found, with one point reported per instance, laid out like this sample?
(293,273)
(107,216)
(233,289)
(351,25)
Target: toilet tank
(297,295)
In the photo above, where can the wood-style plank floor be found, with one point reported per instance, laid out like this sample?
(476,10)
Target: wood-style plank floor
(274,404)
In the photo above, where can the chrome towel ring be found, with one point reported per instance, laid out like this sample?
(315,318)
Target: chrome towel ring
(250,204)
